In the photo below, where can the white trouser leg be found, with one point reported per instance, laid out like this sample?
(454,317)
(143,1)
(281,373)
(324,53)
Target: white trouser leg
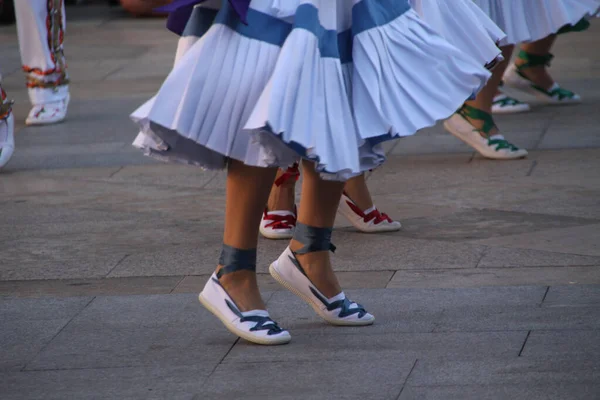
(40,25)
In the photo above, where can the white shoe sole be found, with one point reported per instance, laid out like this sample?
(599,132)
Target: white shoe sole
(515,81)
(9,147)
(476,144)
(270,234)
(314,303)
(238,332)
(511,109)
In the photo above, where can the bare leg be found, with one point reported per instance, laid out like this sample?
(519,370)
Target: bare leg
(283,196)
(318,207)
(247,192)
(485,97)
(356,188)
(538,74)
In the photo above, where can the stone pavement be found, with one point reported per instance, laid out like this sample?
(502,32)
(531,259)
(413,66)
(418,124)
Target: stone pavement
(491,290)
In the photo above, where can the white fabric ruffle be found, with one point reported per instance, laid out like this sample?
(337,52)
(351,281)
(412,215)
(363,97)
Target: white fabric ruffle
(531,20)
(465,26)
(233,96)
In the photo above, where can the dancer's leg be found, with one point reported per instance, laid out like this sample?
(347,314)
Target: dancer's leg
(537,74)
(356,188)
(247,192)
(283,193)
(485,97)
(40,25)
(318,206)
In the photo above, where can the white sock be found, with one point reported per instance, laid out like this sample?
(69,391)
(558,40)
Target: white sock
(370,210)
(340,296)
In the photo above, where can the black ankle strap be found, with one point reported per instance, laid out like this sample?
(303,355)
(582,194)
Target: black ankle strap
(233,259)
(313,238)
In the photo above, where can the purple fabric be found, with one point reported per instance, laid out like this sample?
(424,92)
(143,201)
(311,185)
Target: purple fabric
(180,11)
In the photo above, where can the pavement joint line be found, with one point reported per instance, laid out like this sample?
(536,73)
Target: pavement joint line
(545,130)
(24,369)
(473,154)
(177,284)
(483,253)
(407,378)
(524,343)
(117,264)
(544,297)
(116,172)
(532,168)
(212,178)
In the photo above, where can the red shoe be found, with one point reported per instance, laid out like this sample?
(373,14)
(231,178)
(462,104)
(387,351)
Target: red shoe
(372,222)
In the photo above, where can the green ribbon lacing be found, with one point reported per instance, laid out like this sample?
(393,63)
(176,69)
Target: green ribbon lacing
(508,101)
(535,60)
(467,111)
(580,26)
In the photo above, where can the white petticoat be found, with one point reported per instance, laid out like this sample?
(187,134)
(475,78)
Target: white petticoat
(531,20)
(301,81)
(465,26)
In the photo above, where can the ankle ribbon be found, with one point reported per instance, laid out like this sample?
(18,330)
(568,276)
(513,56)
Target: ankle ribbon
(233,259)
(314,239)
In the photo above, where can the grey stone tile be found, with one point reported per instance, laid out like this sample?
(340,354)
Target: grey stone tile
(567,168)
(164,330)
(29,325)
(581,240)
(502,318)
(90,287)
(342,347)
(348,280)
(394,252)
(477,277)
(496,257)
(524,391)
(421,143)
(513,371)
(563,343)
(143,383)
(165,174)
(395,311)
(482,224)
(580,295)
(307,380)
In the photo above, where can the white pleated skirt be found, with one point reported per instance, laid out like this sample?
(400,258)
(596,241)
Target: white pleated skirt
(325,80)
(531,20)
(465,26)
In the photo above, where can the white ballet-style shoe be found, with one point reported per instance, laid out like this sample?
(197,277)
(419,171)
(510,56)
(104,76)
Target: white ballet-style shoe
(495,147)
(337,311)
(255,326)
(48,113)
(556,95)
(278,225)
(7,138)
(503,104)
(371,222)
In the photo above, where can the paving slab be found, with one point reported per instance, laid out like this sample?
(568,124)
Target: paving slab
(561,296)
(581,240)
(29,325)
(166,330)
(481,277)
(506,257)
(329,347)
(560,343)
(135,383)
(293,380)
(524,391)
(510,371)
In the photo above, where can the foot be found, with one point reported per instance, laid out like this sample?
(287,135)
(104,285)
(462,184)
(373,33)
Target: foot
(7,138)
(278,224)
(368,221)
(530,75)
(504,104)
(321,292)
(255,325)
(48,113)
(494,146)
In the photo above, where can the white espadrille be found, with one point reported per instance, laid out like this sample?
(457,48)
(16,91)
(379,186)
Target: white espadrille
(337,311)
(255,326)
